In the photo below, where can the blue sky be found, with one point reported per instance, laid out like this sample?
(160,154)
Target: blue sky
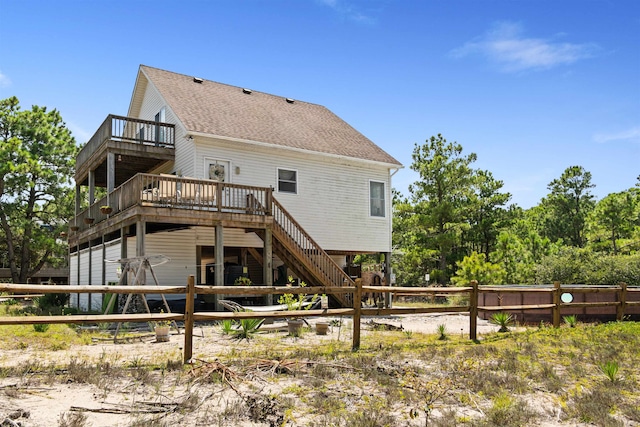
(531,86)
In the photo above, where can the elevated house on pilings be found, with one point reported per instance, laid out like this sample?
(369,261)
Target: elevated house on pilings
(227,182)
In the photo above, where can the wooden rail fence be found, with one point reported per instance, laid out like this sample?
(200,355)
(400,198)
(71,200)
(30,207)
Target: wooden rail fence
(189,317)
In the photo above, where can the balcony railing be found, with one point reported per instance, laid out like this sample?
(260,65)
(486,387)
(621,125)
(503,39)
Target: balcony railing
(179,193)
(127,129)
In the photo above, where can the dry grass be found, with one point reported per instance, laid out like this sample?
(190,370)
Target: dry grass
(540,376)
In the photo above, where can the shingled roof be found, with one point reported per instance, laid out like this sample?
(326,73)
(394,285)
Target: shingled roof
(218,109)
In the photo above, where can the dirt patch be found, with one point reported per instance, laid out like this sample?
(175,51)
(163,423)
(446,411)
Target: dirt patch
(267,381)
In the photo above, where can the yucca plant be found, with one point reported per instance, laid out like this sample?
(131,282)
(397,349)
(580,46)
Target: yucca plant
(248,327)
(227,326)
(442,332)
(571,321)
(504,320)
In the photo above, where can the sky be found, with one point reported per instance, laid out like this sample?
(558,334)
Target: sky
(531,86)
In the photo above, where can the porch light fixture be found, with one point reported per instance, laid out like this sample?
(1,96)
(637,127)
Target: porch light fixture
(119,157)
(198,80)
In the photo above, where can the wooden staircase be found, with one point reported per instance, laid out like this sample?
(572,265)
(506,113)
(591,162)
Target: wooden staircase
(293,245)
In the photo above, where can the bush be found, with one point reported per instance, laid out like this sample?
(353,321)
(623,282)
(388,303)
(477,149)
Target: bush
(41,327)
(582,266)
(48,301)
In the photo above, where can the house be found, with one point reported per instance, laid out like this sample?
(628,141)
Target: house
(226,182)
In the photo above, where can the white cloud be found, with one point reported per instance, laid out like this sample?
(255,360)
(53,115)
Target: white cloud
(506,45)
(346,10)
(632,135)
(4,80)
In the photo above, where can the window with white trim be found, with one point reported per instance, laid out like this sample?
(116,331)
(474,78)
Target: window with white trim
(287,181)
(376,199)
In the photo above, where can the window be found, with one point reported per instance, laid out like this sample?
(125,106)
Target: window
(376,198)
(287,181)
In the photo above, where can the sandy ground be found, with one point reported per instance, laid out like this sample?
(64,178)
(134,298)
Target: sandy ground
(27,402)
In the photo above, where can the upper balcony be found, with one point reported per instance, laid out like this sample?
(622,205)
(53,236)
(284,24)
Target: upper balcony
(137,146)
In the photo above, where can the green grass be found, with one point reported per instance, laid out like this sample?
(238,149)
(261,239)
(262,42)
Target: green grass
(56,337)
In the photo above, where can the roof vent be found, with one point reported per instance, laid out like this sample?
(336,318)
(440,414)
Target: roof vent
(198,80)
(247,91)
(289,100)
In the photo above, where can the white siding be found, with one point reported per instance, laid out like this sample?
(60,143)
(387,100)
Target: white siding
(233,237)
(185,151)
(84,279)
(111,269)
(73,278)
(180,246)
(73,269)
(97,264)
(332,203)
(151,105)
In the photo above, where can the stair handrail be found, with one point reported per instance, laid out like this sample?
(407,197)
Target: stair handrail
(329,268)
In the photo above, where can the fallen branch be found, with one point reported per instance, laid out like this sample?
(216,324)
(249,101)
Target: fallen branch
(384,326)
(117,410)
(226,374)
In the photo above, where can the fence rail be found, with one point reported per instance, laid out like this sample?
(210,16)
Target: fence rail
(190,316)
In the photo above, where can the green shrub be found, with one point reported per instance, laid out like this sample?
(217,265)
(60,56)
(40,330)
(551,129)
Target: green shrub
(583,266)
(41,327)
(49,301)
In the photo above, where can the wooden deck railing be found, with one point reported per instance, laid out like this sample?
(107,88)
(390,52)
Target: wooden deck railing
(180,193)
(128,129)
(190,316)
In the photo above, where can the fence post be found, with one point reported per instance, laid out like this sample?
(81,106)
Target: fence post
(473,311)
(556,304)
(622,301)
(357,302)
(188,319)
